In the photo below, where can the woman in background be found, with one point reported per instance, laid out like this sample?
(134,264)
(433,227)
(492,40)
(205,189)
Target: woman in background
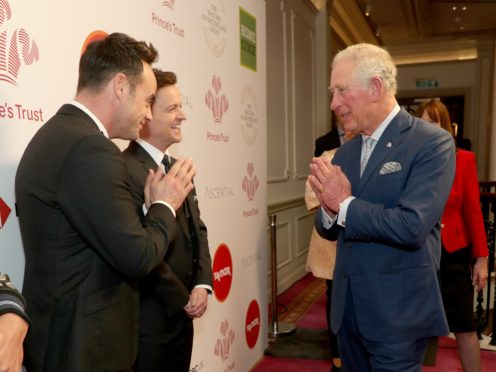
(464,247)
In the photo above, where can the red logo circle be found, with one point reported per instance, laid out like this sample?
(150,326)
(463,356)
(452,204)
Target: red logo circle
(252,326)
(94,36)
(222,270)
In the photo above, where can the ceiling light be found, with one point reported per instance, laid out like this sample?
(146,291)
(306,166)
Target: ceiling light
(368,9)
(454,7)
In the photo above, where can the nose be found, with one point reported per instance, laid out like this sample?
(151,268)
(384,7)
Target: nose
(181,115)
(334,102)
(148,114)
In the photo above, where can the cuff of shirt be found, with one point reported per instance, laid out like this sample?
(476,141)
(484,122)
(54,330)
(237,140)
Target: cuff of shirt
(328,219)
(343,210)
(207,287)
(145,209)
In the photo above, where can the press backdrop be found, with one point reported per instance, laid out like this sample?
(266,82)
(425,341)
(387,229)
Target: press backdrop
(217,49)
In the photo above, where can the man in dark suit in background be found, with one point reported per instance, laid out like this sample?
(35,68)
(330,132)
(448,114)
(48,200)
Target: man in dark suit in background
(382,199)
(331,140)
(177,291)
(84,243)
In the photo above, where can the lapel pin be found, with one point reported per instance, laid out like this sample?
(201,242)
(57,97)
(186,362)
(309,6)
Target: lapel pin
(389,144)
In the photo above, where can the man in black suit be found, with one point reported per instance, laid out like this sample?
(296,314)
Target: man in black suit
(331,140)
(177,291)
(84,243)
(328,141)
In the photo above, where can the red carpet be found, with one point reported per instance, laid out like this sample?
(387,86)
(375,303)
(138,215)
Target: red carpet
(303,304)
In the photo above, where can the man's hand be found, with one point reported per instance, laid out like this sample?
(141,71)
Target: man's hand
(197,304)
(172,187)
(13,329)
(330,184)
(479,273)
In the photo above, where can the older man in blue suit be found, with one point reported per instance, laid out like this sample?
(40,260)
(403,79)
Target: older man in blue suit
(382,199)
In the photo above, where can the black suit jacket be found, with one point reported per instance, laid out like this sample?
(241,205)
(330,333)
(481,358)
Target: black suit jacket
(185,265)
(85,246)
(328,141)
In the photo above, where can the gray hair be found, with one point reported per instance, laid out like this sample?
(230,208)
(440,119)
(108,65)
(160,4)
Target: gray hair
(370,61)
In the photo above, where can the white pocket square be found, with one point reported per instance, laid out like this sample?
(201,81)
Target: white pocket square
(390,167)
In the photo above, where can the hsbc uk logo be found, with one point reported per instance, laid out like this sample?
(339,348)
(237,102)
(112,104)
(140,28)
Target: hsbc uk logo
(4,213)
(16,48)
(215,101)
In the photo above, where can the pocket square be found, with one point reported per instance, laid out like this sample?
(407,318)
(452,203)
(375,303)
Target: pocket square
(390,167)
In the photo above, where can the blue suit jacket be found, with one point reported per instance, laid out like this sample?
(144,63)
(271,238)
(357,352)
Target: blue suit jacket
(389,250)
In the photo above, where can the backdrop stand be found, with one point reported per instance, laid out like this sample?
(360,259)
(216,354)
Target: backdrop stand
(277,328)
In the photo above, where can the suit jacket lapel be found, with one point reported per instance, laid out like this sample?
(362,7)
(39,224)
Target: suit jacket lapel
(142,156)
(389,141)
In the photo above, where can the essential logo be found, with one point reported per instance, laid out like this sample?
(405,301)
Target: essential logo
(222,268)
(4,212)
(215,101)
(252,324)
(94,36)
(249,115)
(250,182)
(225,341)
(219,192)
(16,48)
(169,4)
(213,27)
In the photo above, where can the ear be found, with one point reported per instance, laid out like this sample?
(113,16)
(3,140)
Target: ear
(376,88)
(120,85)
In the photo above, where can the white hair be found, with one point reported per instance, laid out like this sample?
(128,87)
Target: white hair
(370,61)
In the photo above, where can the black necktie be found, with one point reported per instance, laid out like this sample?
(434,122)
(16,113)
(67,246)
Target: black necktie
(167,164)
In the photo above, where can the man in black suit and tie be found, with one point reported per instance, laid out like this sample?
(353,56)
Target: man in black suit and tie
(84,243)
(177,291)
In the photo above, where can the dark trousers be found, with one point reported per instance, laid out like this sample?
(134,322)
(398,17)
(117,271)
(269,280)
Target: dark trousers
(167,351)
(333,340)
(361,355)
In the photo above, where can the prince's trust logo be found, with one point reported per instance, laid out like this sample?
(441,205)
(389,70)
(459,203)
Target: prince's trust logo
(224,342)
(250,182)
(215,101)
(218,104)
(250,186)
(167,24)
(16,48)
(169,4)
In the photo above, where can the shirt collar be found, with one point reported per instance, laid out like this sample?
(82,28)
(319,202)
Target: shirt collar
(87,111)
(381,128)
(155,153)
